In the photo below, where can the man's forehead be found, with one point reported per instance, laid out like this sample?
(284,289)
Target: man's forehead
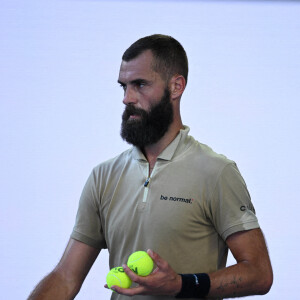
(139,66)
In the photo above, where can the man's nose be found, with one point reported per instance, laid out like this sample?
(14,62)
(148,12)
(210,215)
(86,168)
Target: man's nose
(129,96)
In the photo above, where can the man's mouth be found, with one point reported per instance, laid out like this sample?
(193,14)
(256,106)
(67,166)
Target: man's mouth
(134,117)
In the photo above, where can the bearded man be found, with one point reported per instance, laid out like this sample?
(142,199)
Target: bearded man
(168,193)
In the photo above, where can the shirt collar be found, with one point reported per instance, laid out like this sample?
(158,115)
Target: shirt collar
(169,151)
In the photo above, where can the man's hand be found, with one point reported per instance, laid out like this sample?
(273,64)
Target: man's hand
(162,281)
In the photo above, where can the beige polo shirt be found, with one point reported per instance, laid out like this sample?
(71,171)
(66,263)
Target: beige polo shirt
(192,202)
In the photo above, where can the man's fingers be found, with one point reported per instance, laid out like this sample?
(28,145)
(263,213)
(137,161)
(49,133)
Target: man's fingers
(148,283)
(130,273)
(134,277)
(128,292)
(162,281)
(156,258)
(160,262)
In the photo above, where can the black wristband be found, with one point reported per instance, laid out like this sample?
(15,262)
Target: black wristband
(194,285)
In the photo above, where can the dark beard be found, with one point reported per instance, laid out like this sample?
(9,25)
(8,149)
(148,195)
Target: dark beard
(151,126)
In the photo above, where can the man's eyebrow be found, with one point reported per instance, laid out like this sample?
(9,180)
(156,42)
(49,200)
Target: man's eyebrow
(135,81)
(138,81)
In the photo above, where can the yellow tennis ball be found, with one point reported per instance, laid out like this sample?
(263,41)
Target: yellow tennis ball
(117,276)
(140,263)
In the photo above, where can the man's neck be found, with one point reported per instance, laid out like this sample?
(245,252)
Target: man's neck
(152,151)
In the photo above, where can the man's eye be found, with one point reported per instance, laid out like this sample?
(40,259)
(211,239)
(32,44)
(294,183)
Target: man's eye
(140,84)
(123,86)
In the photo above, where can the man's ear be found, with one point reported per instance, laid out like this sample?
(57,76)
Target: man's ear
(176,86)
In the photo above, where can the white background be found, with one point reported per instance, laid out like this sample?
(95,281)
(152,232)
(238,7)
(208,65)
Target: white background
(61,106)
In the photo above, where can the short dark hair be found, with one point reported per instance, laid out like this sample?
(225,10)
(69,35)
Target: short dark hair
(169,56)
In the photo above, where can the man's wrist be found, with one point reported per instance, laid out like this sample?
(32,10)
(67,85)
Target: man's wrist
(178,287)
(194,285)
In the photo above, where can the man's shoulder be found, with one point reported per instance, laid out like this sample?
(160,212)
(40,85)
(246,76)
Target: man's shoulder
(114,162)
(206,158)
(205,152)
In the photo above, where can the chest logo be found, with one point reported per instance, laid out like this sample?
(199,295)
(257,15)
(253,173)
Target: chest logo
(177,199)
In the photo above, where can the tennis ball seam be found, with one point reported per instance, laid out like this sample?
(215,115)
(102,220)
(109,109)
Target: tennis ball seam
(118,279)
(137,259)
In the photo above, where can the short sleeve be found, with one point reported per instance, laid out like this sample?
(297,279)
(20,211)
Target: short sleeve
(87,228)
(231,207)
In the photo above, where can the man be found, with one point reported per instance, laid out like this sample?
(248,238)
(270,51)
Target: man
(168,193)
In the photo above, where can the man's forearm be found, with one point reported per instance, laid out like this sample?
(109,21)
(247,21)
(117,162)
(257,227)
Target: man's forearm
(242,279)
(54,286)
(65,281)
(251,275)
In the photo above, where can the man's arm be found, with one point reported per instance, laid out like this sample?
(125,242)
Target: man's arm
(251,275)
(65,280)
